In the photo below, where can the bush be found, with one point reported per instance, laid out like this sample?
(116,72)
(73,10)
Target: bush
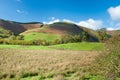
(57,41)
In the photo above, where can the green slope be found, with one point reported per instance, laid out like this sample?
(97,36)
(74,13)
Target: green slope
(41,36)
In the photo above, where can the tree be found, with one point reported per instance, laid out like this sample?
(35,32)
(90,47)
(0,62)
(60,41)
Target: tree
(102,34)
(85,36)
(13,37)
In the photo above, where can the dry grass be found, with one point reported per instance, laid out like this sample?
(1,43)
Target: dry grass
(43,62)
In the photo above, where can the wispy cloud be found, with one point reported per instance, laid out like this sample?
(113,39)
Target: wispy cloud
(51,22)
(18,0)
(21,11)
(52,18)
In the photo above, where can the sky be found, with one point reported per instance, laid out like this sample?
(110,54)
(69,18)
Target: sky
(94,14)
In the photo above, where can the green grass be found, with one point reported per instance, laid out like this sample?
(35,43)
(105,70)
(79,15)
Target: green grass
(80,46)
(24,47)
(41,36)
(96,77)
(68,46)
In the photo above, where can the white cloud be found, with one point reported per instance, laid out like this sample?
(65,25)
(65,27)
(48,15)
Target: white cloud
(69,21)
(52,18)
(114,12)
(51,22)
(110,29)
(92,24)
(21,11)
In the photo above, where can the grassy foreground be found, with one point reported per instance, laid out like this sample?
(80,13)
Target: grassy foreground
(57,62)
(68,46)
(44,65)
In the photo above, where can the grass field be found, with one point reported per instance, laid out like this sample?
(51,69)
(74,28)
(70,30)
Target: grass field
(68,46)
(41,36)
(80,46)
(44,64)
(57,62)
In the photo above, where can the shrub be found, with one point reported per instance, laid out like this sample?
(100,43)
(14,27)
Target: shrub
(57,41)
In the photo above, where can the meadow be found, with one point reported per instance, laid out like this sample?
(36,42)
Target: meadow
(86,46)
(44,65)
(57,62)
(71,61)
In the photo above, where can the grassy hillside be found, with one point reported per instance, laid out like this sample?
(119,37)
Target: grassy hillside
(41,36)
(69,28)
(63,28)
(114,32)
(58,28)
(18,27)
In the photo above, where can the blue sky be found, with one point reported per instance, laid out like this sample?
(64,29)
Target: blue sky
(93,14)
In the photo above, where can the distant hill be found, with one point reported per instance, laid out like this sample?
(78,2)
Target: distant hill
(58,28)
(68,28)
(114,32)
(18,27)
(63,28)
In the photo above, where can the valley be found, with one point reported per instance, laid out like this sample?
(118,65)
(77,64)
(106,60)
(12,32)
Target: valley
(58,51)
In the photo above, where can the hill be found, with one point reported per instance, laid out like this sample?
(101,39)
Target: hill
(18,27)
(58,28)
(68,28)
(61,28)
(114,32)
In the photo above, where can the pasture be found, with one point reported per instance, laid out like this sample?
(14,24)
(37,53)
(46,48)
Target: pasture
(56,62)
(86,46)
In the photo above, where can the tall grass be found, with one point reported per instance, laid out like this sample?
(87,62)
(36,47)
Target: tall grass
(108,63)
(43,64)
